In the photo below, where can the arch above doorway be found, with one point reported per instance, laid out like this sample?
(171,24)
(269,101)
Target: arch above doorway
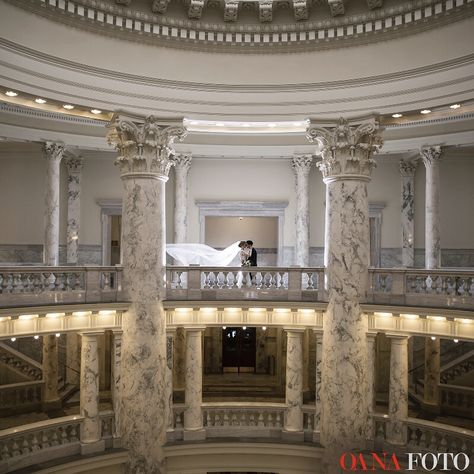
(276,209)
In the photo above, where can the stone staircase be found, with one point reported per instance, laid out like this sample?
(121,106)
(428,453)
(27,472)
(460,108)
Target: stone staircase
(22,365)
(457,369)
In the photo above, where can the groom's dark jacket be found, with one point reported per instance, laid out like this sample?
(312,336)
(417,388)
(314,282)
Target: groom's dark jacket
(253,258)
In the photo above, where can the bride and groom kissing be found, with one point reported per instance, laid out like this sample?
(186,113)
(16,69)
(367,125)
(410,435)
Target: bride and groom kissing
(248,254)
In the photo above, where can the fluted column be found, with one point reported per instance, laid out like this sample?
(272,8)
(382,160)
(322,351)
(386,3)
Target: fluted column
(182,163)
(371,342)
(432,374)
(431,157)
(301,165)
(407,172)
(89,395)
(74,168)
(317,392)
(398,391)
(50,372)
(144,161)
(193,426)
(116,381)
(53,153)
(346,164)
(293,426)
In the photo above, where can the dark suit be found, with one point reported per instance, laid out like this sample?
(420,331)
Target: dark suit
(253,258)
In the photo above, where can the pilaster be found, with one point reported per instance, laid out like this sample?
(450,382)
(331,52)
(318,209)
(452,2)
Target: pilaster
(182,163)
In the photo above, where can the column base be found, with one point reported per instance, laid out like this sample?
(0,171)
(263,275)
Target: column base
(194,435)
(94,447)
(292,436)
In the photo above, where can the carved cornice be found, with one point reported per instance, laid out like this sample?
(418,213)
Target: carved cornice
(301,164)
(54,151)
(408,166)
(346,150)
(144,148)
(430,155)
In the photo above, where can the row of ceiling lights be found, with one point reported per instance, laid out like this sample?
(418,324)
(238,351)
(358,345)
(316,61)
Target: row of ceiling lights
(41,101)
(427,111)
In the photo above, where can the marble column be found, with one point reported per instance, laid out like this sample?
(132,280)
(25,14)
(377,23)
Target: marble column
(116,382)
(73,358)
(371,344)
(89,394)
(346,164)
(74,168)
(179,359)
(398,391)
(317,392)
(432,374)
(431,157)
(182,163)
(170,334)
(50,372)
(293,425)
(193,426)
(301,165)
(407,172)
(144,160)
(53,153)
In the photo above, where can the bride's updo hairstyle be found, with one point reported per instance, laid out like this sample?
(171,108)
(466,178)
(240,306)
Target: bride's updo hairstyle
(242,244)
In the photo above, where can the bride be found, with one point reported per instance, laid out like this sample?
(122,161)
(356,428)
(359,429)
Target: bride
(200,254)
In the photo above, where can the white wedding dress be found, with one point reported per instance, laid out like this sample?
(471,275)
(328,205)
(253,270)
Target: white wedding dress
(200,254)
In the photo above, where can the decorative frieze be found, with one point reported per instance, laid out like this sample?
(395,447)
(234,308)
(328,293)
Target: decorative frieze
(346,150)
(160,6)
(300,9)
(144,147)
(374,4)
(336,7)
(195,9)
(265,10)
(231,10)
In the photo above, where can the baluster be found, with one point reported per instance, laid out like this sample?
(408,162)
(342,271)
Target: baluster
(106,281)
(243,419)
(28,282)
(25,446)
(278,420)
(443,444)
(226,419)
(310,422)
(444,285)
(17,284)
(179,421)
(59,282)
(260,421)
(252,419)
(34,443)
(433,441)
(310,284)
(15,448)
(471,287)
(5,453)
(54,437)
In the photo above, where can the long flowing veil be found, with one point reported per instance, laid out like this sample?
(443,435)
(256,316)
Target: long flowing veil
(200,254)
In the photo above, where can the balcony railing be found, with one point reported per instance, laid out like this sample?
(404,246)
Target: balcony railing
(34,285)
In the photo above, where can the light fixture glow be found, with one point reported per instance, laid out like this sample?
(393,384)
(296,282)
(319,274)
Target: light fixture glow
(81,313)
(409,316)
(4,318)
(433,338)
(39,100)
(281,310)
(54,315)
(436,318)
(224,327)
(28,316)
(257,310)
(384,315)
(264,328)
(58,334)
(455,106)
(455,341)
(463,320)
(397,115)
(244,328)
(13,339)
(11,93)
(107,312)
(68,106)
(425,111)
(36,336)
(96,111)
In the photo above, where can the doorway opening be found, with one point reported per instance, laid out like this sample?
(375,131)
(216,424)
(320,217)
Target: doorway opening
(238,350)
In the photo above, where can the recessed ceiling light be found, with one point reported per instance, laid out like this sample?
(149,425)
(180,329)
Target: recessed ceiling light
(425,111)
(13,339)
(433,338)
(39,100)
(397,115)
(271,125)
(96,111)
(455,106)
(246,125)
(456,340)
(36,336)
(68,106)
(58,334)
(11,93)
(220,124)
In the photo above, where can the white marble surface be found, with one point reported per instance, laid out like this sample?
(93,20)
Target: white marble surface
(73,358)
(50,369)
(301,165)
(407,172)
(169,377)
(116,380)
(89,394)
(371,368)
(398,391)
(317,398)
(432,371)
(294,381)
(182,163)
(144,161)
(193,387)
(53,153)
(431,157)
(74,167)
(179,359)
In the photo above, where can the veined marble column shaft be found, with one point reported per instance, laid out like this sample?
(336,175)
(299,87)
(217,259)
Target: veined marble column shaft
(294,382)
(398,391)
(53,153)
(407,172)
(74,168)
(144,161)
(371,344)
(73,358)
(317,393)
(193,426)
(169,375)
(346,165)
(116,382)
(182,163)
(301,165)
(89,395)
(431,157)
(432,373)
(50,369)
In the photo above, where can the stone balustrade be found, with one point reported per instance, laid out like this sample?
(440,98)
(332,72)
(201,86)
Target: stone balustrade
(26,396)
(35,285)
(457,400)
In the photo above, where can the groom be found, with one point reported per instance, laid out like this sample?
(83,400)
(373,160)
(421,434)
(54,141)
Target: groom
(253,255)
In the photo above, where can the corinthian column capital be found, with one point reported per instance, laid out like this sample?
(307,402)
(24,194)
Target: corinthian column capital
(144,148)
(182,161)
(346,150)
(74,164)
(408,166)
(430,154)
(54,150)
(301,164)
